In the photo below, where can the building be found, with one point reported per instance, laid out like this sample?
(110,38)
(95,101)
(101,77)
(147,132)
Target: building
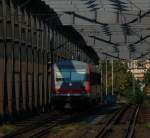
(139,68)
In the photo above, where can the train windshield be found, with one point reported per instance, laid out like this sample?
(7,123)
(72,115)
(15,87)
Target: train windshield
(78,76)
(71,76)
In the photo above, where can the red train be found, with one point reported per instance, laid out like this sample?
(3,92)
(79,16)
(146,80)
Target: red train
(76,83)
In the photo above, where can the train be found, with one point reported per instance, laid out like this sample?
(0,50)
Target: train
(76,83)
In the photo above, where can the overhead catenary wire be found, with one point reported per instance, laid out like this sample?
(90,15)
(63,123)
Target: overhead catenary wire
(130,17)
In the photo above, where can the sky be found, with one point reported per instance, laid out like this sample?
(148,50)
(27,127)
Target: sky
(121,22)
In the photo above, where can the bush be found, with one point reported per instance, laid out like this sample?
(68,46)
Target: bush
(7,128)
(136,97)
(147,125)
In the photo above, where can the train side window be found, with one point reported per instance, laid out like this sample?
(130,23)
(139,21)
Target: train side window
(96,78)
(92,78)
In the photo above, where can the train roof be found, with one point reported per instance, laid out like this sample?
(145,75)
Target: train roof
(65,64)
(70,62)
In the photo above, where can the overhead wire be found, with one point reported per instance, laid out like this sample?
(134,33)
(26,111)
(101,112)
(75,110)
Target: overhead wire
(138,15)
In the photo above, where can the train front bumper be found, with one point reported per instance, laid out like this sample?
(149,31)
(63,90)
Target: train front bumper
(70,97)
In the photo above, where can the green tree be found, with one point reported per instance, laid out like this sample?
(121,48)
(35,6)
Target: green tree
(147,78)
(146,81)
(125,84)
(122,78)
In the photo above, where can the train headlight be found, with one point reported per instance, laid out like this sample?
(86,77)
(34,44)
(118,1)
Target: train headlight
(57,91)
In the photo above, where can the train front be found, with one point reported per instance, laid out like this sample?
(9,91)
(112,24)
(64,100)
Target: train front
(70,83)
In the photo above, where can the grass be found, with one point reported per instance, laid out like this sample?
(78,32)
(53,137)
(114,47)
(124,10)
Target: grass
(56,129)
(66,127)
(7,129)
(147,125)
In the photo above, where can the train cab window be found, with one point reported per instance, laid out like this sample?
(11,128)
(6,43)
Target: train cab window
(78,76)
(94,78)
(66,76)
(63,76)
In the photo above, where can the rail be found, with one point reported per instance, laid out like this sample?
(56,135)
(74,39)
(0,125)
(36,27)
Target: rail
(110,123)
(131,128)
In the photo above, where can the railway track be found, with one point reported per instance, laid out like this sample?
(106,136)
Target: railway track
(38,127)
(121,124)
(35,128)
(43,129)
(142,125)
(132,124)
(144,115)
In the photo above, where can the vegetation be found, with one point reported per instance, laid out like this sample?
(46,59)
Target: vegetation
(147,82)
(147,125)
(136,97)
(56,129)
(147,78)
(124,83)
(68,127)
(7,128)
(122,78)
